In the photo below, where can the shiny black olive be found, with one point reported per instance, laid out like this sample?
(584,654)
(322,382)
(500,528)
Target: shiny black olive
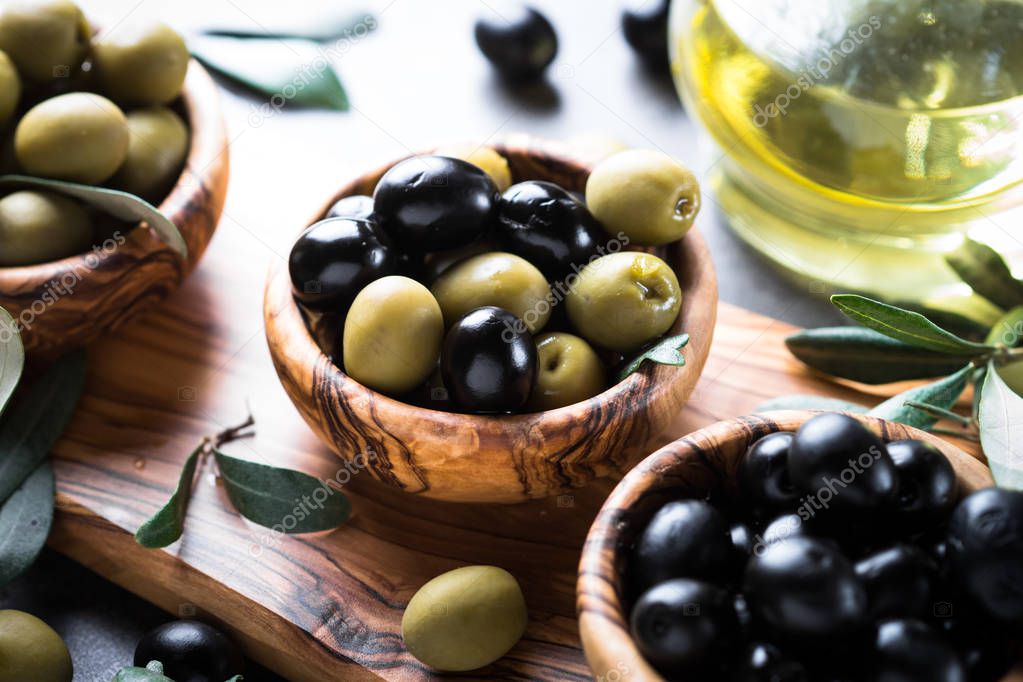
(742,541)
(927,483)
(685,539)
(432,203)
(550,228)
(764,472)
(985,550)
(909,651)
(335,258)
(683,625)
(778,529)
(898,582)
(838,462)
(520,43)
(763,662)
(358,206)
(489,361)
(645,26)
(805,590)
(190,652)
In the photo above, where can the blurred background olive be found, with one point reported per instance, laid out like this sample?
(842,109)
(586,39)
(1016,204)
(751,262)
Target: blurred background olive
(81,137)
(10,89)
(157,146)
(46,39)
(486,158)
(37,227)
(8,159)
(568,371)
(140,64)
(31,650)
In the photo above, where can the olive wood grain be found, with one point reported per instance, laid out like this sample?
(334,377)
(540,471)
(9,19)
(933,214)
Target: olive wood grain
(505,459)
(65,304)
(700,464)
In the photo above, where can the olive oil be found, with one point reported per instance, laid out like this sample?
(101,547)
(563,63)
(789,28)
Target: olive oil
(858,139)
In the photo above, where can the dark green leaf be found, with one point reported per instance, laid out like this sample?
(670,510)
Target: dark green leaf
(969,317)
(904,325)
(12,358)
(35,423)
(664,352)
(286,72)
(151,673)
(25,520)
(982,268)
(283,499)
(1001,429)
(1007,331)
(942,393)
(121,205)
(868,356)
(810,402)
(318,26)
(166,526)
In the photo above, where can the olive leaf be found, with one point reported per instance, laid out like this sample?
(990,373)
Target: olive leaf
(12,358)
(1001,430)
(983,269)
(25,520)
(120,205)
(1008,330)
(810,402)
(663,352)
(166,526)
(320,26)
(868,356)
(905,325)
(941,394)
(972,324)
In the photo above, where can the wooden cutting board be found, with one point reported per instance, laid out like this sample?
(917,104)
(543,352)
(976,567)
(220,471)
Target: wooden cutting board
(325,607)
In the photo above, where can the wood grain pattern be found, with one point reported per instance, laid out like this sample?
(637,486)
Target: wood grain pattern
(473,458)
(68,303)
(700,464)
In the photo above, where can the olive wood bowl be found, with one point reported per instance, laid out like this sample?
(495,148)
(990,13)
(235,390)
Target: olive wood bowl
(67,303)
(494,459)
(702,463)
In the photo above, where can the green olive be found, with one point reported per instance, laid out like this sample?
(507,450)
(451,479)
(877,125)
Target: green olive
(485,158)
(31,650)
(623,300)
(141,64)
(499,279)
(10,89)
(37,227)
(79,137)
(46,39)
(392,336)
(465,619)
(157,145)
(569,372)
(644,194)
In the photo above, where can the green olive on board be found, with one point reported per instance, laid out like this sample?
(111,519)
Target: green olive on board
(485,158)
(645,194)
(494,279)
(465,619)
(37,227)
(31,650)
(623,300)
(141,63)
(80,137)
(10,89)
(46,39)
(569,371)
(392,336)
(157,146)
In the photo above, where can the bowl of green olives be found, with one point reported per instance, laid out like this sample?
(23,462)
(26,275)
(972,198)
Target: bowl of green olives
(124,109)
(804,546)
(459,322)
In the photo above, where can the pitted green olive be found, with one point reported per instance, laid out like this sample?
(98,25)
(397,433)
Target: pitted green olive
(46,39)
(37,227)
(10,89)
(31,650)
(569,371)
(157,145)
(140,64)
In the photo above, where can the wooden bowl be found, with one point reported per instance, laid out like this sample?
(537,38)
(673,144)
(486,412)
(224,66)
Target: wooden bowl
(65,304)
(501,459)
(701,463)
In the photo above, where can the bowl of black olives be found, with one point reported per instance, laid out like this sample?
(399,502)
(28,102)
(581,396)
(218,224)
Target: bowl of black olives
(804,546)
(124,108)
(459,322)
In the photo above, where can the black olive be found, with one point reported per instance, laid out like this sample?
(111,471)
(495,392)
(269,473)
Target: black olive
(684,625)
(550,228)
(685,539)
(357,206)
(742,541)
(909,651)
(763,662)
(898,582)
(520,43)
(927,483)
(985,550)
(645,26)
(489,362)
(335,258)
(778,529)
(190,652)
(432,203)
(840,464)
(764,472)
(806,590)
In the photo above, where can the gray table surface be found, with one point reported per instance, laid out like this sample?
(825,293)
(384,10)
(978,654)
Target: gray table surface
(414,82)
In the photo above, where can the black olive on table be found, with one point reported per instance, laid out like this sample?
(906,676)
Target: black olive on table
(898,582)
(908,650)
(520,43)
(764,472)
(764,662)
(645,26)
(190,652)
(927,483)
(357,206)
(685,539)
(335,258)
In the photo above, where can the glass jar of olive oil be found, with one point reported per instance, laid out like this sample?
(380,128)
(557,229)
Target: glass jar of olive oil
(859,139)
